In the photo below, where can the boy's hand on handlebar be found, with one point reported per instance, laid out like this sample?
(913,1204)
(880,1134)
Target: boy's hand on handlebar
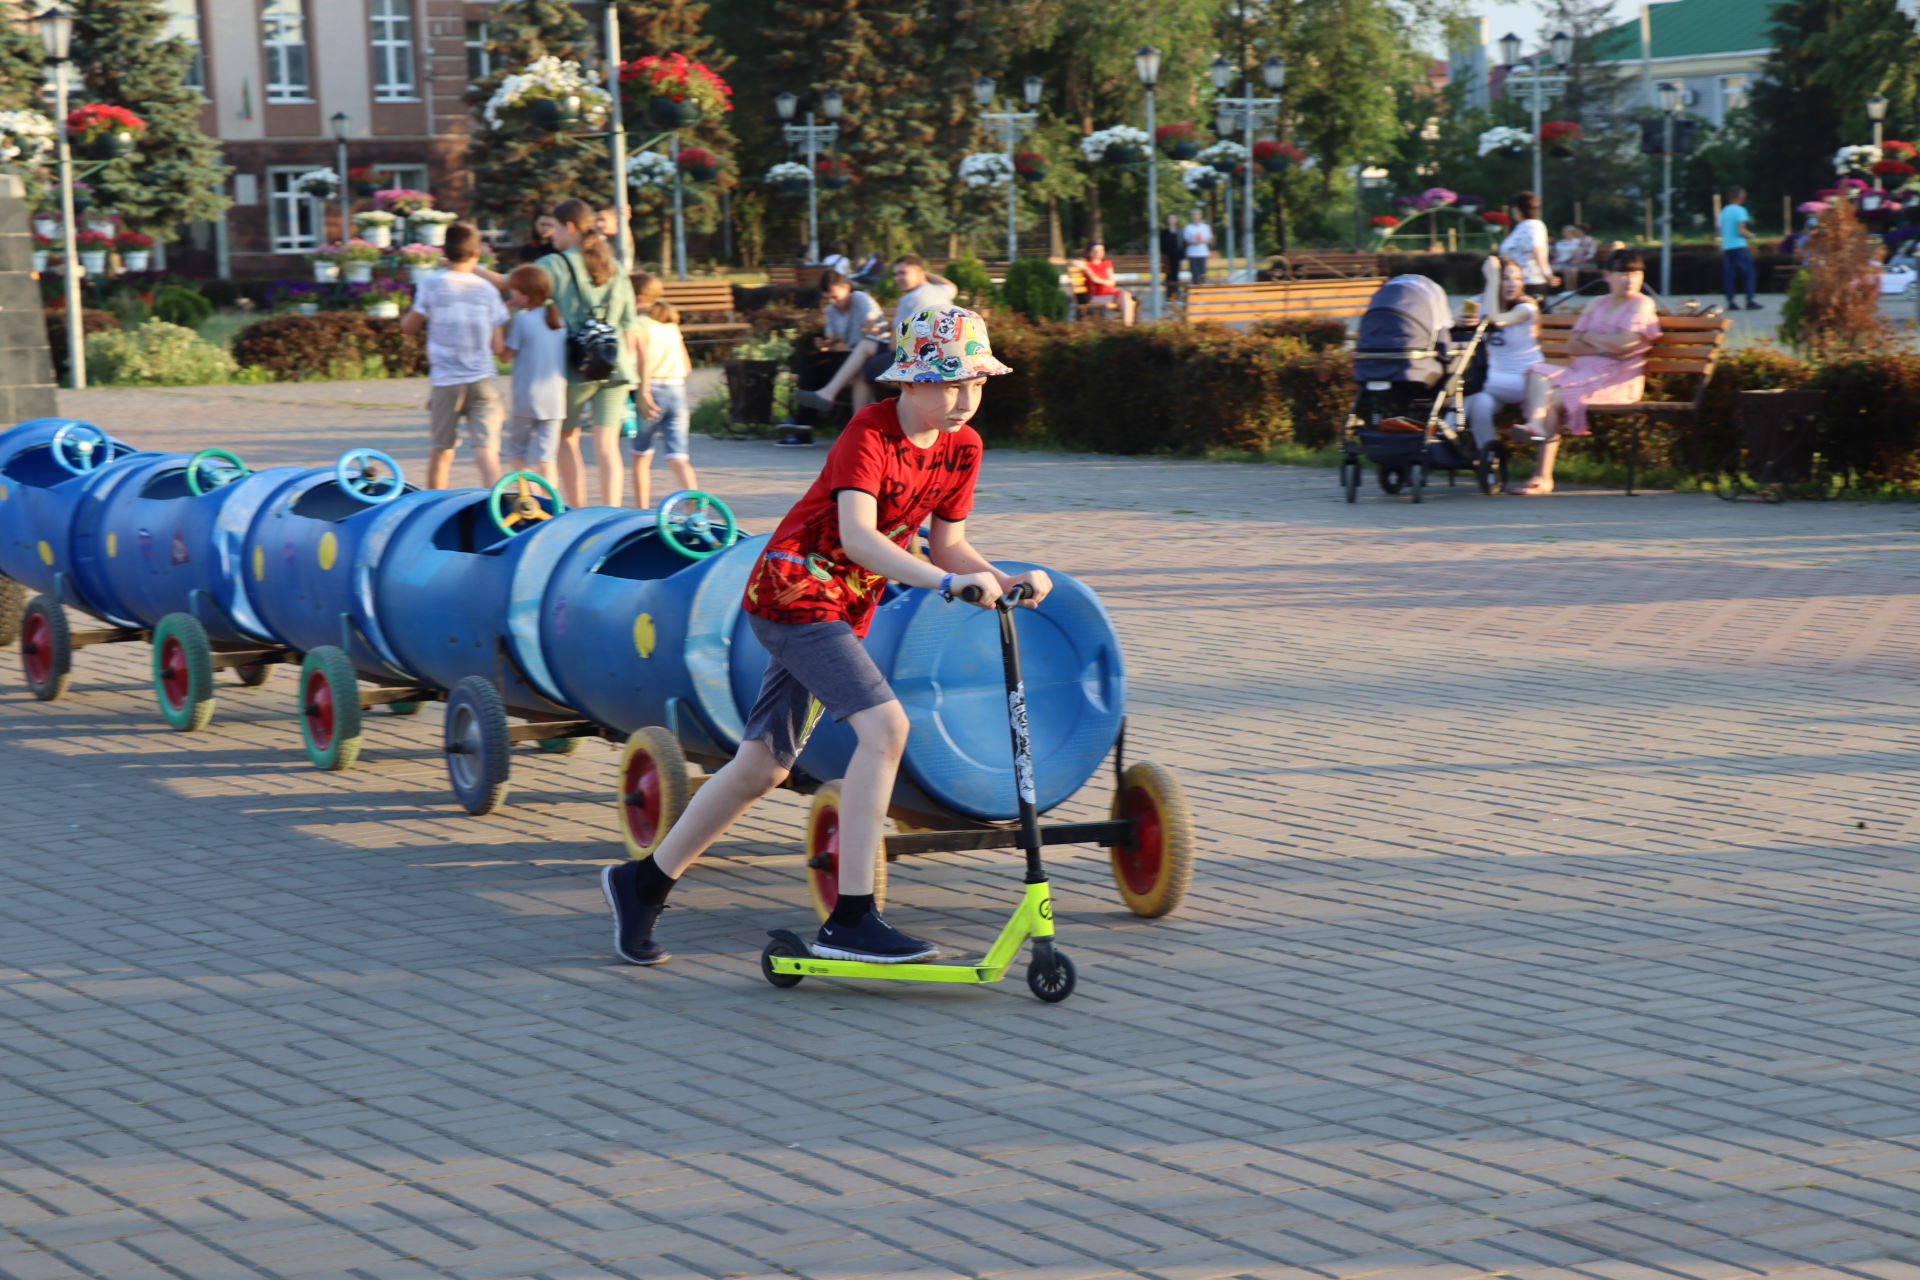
(1037,583)
(982,589)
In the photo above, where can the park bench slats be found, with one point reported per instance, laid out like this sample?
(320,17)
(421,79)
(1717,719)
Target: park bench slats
(1324,264)
(792,275)
(1239,303)
(706,298)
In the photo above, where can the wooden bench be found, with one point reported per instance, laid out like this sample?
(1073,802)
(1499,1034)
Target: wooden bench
(706,298)
(1688,346)
(1328,264)
(795,275)
(1242,303)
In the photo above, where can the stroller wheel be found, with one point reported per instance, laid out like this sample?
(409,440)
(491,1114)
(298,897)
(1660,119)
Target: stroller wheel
(1392,479)
(1350,477)
(1490,469)
(1417,480)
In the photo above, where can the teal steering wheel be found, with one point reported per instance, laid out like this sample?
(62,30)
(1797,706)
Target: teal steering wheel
(510,512)
(370,476)
(81,447)
(696,524)
(220,467)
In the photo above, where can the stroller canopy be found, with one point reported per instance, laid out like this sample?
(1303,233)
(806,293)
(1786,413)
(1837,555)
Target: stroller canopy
(1403,333)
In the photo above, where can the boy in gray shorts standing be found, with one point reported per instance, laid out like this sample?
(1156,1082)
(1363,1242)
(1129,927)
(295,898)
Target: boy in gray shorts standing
(463,317)
(810,599)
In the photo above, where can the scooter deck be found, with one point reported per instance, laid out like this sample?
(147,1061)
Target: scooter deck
(814,967)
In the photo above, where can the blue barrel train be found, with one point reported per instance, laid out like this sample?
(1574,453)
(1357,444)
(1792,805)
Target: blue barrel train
(534,623)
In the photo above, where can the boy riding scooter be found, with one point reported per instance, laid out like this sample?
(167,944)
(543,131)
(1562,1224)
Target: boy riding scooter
(810,599)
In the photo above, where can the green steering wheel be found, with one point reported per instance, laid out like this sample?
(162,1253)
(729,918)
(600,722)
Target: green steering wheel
(217,477)
(696,524)
(511,512)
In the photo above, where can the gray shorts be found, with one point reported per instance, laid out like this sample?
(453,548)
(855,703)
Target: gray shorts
(480,403)
(810,666)
(535,439)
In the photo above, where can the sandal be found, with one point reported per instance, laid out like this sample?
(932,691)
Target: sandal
(1533,487)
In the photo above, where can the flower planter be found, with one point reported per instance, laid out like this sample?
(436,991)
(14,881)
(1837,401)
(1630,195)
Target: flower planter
(1122,154)
(102,225)
(39,260)
(325,272)
(384,311)
(834,183)
(420,275)
(674,113)
(433,233)
(315,191)
(551,115)
(1226,166)
(107,146)
(93,261)
(380,237)
(357,272)
(1272,164)
(136,259)
(1560,153)
(791,186)
(1513,153)
(700,172)
(365,190)
(307,308)
(1031,175)
(46,226)
(1184,150)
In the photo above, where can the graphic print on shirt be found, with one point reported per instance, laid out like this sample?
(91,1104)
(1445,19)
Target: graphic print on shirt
(806,574)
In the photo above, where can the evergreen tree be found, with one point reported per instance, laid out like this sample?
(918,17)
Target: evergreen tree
(1871,47)
(175,175)
(656,28)
(20,62)
(1797,117)
(517,171)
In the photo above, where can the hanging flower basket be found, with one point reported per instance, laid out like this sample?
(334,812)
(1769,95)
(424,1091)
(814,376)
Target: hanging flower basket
(1505,140)
(651,169)
(699,165)
(674,113)
(364,180)
(1200,177)
(1121,153)
(1121,144)
(1891,168)
(1030,166)
(1495,218)
(321,184)
(678,91)
(987,169)
(555,115)
(788,177)
(103,132)
(1176,141)
(1277,157)
(549,94)
(1226,156)
(833,174)
(25,134)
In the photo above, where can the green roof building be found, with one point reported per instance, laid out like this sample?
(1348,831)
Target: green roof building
(1713,49)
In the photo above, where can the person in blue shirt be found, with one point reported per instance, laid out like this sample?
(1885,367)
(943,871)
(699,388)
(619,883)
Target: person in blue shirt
(1736,249)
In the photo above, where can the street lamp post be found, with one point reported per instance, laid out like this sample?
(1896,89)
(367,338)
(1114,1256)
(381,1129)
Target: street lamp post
(1541,89)
(56,41)
(1146,64)
(813,137)
(1249,114)
(617,152)
(1012,126)
(1877,112)
(1223,129)
(342,125)
(1669,108)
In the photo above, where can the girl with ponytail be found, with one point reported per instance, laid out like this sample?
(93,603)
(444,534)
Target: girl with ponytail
(586,285)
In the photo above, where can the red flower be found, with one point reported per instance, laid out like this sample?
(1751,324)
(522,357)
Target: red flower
(1559,131)
(1028,161)
(1897,150)
(1384,220)
(134,240)
(1496,218)
(98,117)
(697,158)
(1893,169)
(1267,148)
(1181,132)
(676,76)
(93,240)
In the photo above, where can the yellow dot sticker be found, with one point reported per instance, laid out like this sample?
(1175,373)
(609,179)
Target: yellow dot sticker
(259,564)
(329,548)
(3,493)
(643,636)
(113,544)
(46,553)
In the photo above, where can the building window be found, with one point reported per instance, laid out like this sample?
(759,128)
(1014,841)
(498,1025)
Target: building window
(183,23)
(283,29)
(1733,92)
(479,65)
(408,177)
(293,216)
(392,49)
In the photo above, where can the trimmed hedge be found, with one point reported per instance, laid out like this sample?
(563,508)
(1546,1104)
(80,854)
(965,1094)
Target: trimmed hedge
(330,344)
(92,321)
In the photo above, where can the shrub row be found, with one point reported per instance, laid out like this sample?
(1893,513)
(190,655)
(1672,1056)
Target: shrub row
(330,344)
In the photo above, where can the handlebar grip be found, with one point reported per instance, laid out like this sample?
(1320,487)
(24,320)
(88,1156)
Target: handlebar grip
(1014,596)
(971,594)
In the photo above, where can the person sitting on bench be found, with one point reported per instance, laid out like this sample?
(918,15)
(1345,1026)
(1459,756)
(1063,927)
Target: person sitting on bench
(920,290)
(850,317)
(1103,289)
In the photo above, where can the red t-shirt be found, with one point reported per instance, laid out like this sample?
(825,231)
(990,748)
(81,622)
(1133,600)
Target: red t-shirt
(805,574)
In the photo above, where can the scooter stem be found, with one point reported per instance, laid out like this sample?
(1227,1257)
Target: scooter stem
(1023,783)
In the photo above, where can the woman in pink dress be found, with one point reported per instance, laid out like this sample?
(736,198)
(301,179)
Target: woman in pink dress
(1609,344)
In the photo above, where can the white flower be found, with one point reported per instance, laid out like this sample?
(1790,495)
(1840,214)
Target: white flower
(787,171)
(1094,145)
(1199,177)
(651,169)
(550,77)
(432,215)
(374,218)
(1847,159)
(1223,150)
(986,169)
(25,133)
(1500,137)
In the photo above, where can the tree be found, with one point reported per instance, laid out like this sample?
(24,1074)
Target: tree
(175,175)
(1797,116)
(657,28)
(20,58)
(518,172)
(1870,47)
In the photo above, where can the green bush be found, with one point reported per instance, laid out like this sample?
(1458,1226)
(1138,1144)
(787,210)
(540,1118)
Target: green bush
(1033,289)
(157,354)
(1315,333)
(970,276)
(332,344)
(177,304)
(91,322)
(1871,423)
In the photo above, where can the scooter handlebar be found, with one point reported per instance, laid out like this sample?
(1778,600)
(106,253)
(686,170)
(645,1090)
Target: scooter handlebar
(1012,597)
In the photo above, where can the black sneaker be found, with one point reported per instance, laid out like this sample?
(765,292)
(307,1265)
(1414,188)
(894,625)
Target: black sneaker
(872,940)
(1756,306)
(813,399)
(795,439)
(633,920)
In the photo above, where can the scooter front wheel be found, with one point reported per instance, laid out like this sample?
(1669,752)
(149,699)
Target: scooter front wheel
(1052,981)
(783,948)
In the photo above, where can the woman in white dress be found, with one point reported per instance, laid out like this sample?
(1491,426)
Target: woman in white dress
(1513,348)
(1527,244)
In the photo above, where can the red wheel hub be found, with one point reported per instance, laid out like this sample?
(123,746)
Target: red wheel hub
(173,673)
(319,711)
(826,846)
(1141,864)
(641,786)
(36,648)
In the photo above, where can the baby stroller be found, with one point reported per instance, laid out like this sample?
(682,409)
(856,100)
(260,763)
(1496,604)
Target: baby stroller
(1412,368)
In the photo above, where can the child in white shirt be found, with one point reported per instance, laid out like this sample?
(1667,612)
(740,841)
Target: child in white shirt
(664,367)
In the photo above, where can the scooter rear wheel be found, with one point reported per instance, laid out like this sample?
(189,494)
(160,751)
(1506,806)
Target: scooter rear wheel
(779,947)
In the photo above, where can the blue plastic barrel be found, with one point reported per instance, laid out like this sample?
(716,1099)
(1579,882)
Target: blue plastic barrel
(39,500)
(309,557)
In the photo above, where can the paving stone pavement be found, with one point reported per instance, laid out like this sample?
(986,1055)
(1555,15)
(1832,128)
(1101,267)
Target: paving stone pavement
(1557,910)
